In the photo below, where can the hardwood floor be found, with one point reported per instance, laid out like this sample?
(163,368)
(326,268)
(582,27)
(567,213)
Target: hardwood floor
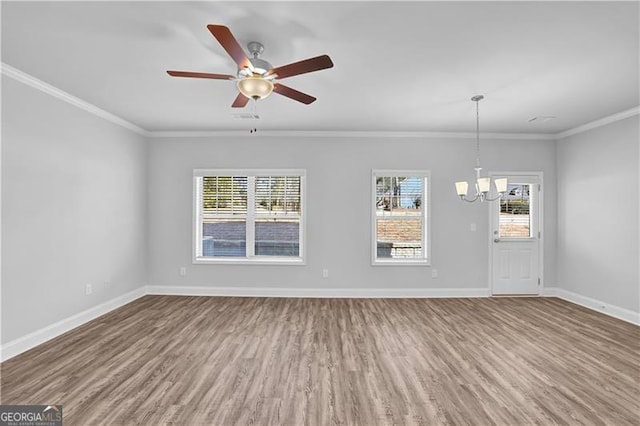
(269,361)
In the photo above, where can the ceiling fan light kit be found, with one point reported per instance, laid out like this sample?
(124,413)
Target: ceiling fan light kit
(256,77)
(255,87)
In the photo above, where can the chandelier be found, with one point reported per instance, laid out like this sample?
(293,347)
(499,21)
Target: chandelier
(482,184)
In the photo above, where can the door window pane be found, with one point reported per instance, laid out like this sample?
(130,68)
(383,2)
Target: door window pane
(515,219)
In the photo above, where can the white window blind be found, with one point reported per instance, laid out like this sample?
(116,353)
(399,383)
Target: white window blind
(224,195)
(277,196)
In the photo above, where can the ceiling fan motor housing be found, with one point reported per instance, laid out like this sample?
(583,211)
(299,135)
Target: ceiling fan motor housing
(260,65)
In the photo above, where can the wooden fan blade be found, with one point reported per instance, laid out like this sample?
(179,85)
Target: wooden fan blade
(293,94)
(200,75)
(230,44)
(302,67)
(240,102)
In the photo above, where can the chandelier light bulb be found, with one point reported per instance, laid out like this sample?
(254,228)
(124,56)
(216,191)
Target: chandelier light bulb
(501,185)
(484,184)
(461,188)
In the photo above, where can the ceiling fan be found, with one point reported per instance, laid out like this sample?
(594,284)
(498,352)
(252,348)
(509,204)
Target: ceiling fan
(256,78)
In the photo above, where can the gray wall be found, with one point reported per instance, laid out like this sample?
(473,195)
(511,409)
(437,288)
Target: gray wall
(338,208)
(598,214)
(74,210)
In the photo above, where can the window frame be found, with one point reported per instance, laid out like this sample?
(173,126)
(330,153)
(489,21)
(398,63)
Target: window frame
(251,259)
(426,218)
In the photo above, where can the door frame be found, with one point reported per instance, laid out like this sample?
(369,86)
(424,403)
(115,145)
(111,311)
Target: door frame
(540,176)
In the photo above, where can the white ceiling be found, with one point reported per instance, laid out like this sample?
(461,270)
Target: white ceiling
(399,66)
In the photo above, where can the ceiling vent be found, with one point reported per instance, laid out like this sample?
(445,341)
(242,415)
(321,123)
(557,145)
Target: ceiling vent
(542,119)
(245,116)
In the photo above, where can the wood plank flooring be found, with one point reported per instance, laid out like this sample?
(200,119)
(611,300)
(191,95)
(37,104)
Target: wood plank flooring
(270,361)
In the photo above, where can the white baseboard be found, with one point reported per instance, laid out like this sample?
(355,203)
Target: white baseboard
(596,305)
(24,343)
(319,292)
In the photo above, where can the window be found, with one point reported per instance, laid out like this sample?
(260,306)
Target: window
(249,216)
(400,224)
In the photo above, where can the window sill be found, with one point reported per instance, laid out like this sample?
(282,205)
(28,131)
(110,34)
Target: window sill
(249,261)
(403,262)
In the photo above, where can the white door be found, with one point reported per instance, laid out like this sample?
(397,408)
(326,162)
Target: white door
(515,237)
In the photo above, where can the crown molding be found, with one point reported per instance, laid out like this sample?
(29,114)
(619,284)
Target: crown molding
(598,123)
(31,81)
(346,134)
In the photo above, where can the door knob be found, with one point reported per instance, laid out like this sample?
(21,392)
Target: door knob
(497,240)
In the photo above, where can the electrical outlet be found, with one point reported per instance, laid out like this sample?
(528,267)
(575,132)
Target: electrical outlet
(88,289)
(325,273)
(434,273)
(107,283)
(473,227)
(183,271)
